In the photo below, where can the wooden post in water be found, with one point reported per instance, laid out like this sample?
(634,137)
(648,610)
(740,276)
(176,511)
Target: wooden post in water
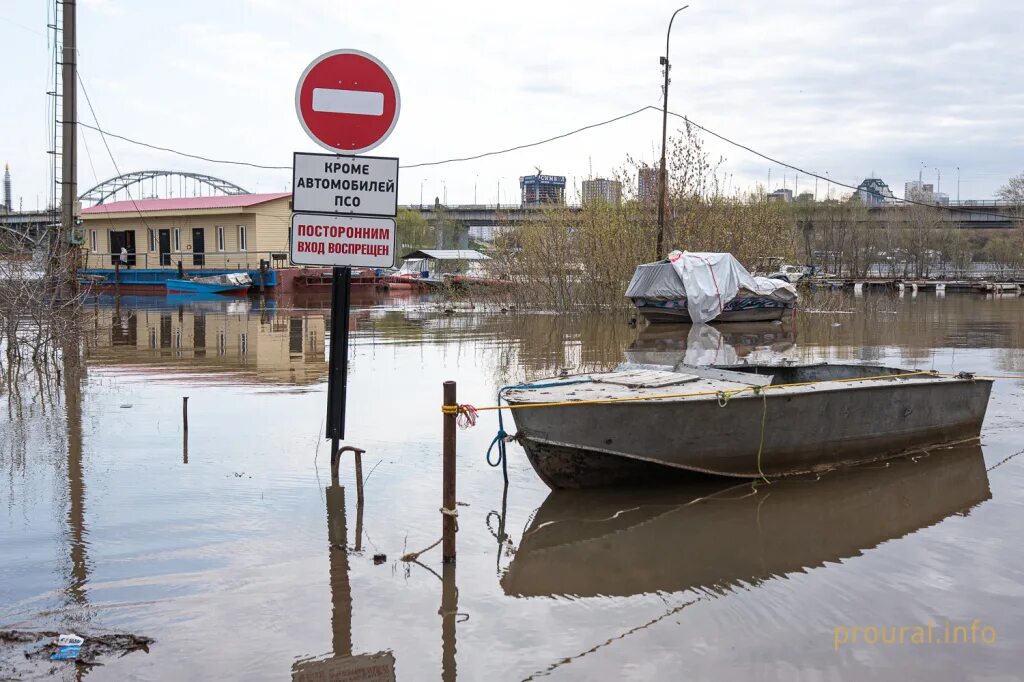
(184,428)
(448,522)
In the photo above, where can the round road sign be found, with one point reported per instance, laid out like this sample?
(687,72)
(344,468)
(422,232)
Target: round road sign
(347,101)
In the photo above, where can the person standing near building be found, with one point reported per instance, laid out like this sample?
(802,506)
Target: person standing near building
(124,257)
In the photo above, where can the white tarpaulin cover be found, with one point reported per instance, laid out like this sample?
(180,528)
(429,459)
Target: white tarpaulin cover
(709,281)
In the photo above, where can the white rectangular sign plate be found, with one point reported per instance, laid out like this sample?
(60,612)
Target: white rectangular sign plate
(348,102)
(335,240)
(346,185)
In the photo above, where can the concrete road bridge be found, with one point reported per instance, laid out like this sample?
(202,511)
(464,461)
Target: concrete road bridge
(967,214)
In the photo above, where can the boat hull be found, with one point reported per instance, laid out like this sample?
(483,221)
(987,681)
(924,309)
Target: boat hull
(640,442)
(659,315)
(188,286)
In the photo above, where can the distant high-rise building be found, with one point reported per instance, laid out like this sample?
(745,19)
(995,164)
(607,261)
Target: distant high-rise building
(874,192)
(542,189)
(785,195)
(647,185)
(919,191)
(8,199)
(602,189)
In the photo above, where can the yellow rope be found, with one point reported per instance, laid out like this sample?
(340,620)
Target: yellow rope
(724,394)
(760,445)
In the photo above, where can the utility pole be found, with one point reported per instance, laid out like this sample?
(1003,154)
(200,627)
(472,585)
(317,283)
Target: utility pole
(662,172)
(69,148)
(958,184)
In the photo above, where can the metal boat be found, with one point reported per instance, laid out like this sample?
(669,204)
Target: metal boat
(713,536)
(234,282)
(652,423)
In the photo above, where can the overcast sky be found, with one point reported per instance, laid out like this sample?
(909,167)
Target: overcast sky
(853,89)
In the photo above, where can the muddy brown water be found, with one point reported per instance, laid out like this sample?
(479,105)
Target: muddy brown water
(242,561)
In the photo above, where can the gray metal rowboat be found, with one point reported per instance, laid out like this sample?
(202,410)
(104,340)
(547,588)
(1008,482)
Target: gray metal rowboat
(742,421)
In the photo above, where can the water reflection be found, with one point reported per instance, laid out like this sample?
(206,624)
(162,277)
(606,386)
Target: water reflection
(716,536)
(703,344)
(250,340)
(206,548)
(77,577)
(342,663)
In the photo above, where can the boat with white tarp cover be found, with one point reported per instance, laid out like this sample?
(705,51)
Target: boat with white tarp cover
(707,287)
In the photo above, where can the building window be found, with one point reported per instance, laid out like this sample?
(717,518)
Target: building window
(220,237)
(243,243)
(221,343)
(92,240)
(177,239)
(152,240)
(243,343)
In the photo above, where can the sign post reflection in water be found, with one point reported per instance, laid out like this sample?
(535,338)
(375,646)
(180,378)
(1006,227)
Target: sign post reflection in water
(342,664)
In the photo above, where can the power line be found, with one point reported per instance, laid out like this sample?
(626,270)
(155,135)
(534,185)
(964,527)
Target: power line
(815,175)
(536,144)
(529,144)
(180,153)
(414,165)
(109,153)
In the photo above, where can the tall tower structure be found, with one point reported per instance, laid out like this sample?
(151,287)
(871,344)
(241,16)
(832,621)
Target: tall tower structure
(8,199)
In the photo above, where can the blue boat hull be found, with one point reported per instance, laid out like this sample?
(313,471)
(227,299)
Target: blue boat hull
(202,287)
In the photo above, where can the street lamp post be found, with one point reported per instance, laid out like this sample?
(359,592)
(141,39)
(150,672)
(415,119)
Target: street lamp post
(662,172)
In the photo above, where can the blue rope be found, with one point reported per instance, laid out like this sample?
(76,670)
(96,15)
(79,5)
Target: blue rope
(499,438)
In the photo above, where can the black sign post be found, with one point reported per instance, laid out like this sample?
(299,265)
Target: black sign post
(337,363)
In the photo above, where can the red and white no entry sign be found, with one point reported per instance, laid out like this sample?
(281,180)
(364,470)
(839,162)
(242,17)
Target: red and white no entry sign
(347,101)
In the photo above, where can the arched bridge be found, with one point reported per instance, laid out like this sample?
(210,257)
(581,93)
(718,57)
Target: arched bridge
(180,183)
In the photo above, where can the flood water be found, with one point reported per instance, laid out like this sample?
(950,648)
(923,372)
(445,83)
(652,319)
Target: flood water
(221,551)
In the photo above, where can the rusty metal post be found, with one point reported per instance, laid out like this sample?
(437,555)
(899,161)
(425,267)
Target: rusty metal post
(448,522)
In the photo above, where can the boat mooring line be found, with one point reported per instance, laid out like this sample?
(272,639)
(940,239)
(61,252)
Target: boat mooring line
(1004,461)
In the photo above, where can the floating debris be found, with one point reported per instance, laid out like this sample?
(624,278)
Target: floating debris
(33,653)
